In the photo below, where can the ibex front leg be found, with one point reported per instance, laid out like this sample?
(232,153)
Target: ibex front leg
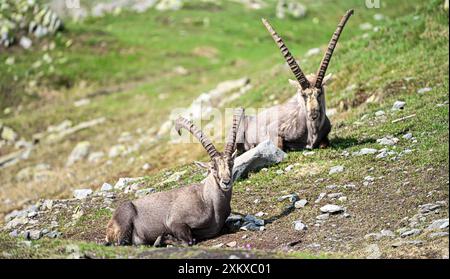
(182,232)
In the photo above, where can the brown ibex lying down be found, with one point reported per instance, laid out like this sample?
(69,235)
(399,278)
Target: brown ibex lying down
(301,122)
(189,213)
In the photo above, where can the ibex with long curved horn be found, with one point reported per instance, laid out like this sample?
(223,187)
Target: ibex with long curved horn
(301,122)
(189,213)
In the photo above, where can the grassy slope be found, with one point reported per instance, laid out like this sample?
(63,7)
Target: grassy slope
(406,46)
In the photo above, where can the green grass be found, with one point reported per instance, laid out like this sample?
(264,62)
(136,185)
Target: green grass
(139,51)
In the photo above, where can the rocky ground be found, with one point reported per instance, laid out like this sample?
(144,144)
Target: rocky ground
(70,154)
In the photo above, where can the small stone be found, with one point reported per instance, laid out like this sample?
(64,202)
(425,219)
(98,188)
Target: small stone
(388,140)
(365,151)
(424,90)
(412,232)
(300,203)
(378,17)
(80,151)
(232,244)
(321,196)
(437,235)
(125,181)
(8,134)
(331,208)
(334,195)
(342,199)
(398,105)
(10,61)
(379,113)
(439,224)
(279,172)
(308,153)
(366,26)
(425,208)
(292,198)
(146,166)
(289,168)
(82,193)
(95,157)
(144,192)
(299,226)
(336,169)
(117,150)
(373,251)
(407,136)
(82,102)
(323,217)
(25,42)
(106,187)
(34,235)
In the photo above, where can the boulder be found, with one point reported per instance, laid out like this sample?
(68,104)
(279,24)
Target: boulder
(263,155)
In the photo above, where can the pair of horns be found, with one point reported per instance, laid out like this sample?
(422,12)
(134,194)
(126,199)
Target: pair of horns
(182,122)
(295,68)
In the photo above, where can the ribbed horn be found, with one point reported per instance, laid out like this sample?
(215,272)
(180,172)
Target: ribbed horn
(231,141)
(295,68)
(182,122)
(330,49)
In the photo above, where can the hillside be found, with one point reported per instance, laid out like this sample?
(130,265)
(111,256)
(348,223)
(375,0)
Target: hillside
(112,81)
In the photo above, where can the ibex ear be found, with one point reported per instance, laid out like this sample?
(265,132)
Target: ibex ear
(202,165)
(295,84)
(327,79)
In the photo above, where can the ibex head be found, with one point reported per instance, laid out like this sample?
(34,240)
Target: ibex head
(311,88)
(221,164)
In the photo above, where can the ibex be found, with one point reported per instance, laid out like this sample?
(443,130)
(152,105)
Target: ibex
(188,213)
(301,122)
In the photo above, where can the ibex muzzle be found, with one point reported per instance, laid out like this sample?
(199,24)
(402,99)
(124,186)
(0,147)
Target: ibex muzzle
(189,213)
(301,121)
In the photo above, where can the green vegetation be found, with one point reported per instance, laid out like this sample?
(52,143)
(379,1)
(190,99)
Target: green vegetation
(125,63)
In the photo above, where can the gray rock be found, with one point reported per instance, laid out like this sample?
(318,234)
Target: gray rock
(439,224)
(144,192)
(169,5)
(320,197)
(95,157)
(14,233)
(437,235)
(398,105)
(25,42)
(323,217)
(412,232)
(299,226)
(300,203)
(263,155)
(388,140)
(373,251)
(387,233)
(425,208)
(106,187)
(292,198)
(8,134)
(407,136)
(253,219)
(407,242)
(80,152)
(336,169)
(424,90)
(117,150)
(365,151)
(34,235)
(126,181)
(290,7)
(331,208)
(379,113)
(82,193)
(334,195)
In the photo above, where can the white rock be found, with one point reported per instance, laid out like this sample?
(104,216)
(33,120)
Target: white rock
(380,113)
(313,51)
(388,140)
(336,169)
(263,155)
(366,26)
(300,203)
(398,105)
(82,193)
(95,157)
(411,232)
(378,17)
(25,42)
(80,152)
(117,150)
(126,181)
(365,151)
(331,208)
(407,136)
(424,90)
(106,187)
(299,226)
(438,224)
